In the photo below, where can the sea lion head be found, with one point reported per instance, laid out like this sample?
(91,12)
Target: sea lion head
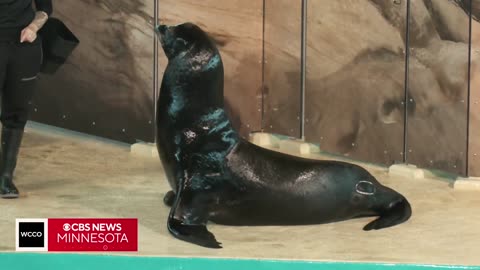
(182,38)
(194,62)
(374,198)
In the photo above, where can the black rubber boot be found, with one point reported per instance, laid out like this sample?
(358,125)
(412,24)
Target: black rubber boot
(11,141)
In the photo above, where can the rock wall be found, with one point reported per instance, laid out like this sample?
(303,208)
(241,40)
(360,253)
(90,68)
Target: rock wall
(106,87)
(356,80)
(355,73)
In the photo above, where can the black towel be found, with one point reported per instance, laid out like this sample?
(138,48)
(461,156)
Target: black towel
(58,44)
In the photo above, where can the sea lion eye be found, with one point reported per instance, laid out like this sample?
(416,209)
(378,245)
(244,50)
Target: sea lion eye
(181,42)
(365,188)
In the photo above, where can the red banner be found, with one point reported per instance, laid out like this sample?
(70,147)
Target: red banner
(93,235)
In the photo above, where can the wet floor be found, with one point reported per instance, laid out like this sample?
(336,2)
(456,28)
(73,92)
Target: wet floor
(62,176)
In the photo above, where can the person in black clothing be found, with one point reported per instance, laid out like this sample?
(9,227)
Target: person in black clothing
(20,62)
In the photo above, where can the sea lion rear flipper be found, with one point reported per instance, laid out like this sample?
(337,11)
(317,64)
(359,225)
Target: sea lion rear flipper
(188,220)
(397,212)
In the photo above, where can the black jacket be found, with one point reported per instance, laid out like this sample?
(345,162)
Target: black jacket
(17,14)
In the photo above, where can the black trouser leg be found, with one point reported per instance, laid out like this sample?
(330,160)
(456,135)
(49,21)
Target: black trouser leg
(20,71)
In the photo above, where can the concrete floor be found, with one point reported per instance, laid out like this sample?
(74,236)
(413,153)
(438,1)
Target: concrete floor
(69,177)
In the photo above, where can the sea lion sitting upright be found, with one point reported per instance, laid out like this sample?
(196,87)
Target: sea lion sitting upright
(218,176)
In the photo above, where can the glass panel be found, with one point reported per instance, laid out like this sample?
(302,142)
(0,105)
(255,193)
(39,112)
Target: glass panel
(106,87)
(438,85)
(282,67)
(355,78)
(474,151)
(237,28)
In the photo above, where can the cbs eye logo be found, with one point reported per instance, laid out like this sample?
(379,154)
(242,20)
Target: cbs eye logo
(31,235)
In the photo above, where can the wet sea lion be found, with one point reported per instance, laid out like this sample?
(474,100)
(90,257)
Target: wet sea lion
(216,175)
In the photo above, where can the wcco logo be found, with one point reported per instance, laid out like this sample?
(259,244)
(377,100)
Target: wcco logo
(31,234)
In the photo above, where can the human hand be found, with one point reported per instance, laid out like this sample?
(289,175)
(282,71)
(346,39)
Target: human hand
(29,34)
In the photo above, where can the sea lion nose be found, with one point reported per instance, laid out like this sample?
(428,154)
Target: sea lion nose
(162,29)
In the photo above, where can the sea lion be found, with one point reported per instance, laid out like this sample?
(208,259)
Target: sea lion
(216,175)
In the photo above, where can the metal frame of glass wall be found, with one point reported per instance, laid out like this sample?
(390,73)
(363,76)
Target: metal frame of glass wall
(303,71)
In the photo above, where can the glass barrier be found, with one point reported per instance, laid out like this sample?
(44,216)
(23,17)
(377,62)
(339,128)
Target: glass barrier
(355,84)
(282,41)
(474,121)
(438,85)
(106,86)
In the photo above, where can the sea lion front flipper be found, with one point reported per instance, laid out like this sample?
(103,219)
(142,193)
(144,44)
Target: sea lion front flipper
(195,234)
(188,219)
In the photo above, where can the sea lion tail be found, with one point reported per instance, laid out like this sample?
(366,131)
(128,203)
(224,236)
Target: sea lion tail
(395,213)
